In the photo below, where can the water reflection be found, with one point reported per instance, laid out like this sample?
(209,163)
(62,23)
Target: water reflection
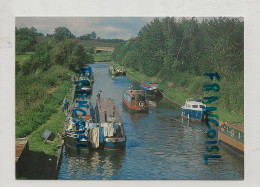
(84,164)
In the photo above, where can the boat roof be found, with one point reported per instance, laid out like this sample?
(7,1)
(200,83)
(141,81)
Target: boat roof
(149,82)
(108,105)
(194,101)
(135,92)
(239,127)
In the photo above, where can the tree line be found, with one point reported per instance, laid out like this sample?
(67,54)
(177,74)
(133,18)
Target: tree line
(62,49)
(168,47)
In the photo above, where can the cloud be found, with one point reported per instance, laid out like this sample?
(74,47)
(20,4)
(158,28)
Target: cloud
(105,27)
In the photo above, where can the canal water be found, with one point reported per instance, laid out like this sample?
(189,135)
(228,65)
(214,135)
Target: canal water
(160,145)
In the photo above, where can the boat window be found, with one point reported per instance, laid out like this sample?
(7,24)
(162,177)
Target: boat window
(202,106)
(189,106)
(194,106)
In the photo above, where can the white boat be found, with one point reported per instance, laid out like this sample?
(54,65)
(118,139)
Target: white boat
(194,109)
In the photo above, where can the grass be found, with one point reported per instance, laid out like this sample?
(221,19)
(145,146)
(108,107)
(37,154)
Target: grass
(102,57)
(54,124)
(23,57)
(87,44)
(179,94)
(38,96)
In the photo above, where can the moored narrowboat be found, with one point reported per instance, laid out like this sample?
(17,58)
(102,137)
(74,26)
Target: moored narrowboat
(111,123)
(111,70)
(151,88)
(119,71)
(232,137)
(116,71)
(135,100)
(76,134)
(194,109)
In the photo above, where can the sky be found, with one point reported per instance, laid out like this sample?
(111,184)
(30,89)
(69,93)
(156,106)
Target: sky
(105,27)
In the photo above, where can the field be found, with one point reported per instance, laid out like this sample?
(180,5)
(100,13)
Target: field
(102,57)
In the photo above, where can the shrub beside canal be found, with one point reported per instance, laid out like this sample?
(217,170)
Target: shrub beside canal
(38,96)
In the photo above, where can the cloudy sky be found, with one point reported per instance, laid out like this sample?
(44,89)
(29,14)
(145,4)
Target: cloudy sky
(109,27)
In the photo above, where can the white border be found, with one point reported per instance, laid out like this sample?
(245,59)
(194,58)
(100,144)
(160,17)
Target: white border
(146,8)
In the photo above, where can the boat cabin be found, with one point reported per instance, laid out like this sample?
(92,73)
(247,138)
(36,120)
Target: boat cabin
(194,109)
(194,104)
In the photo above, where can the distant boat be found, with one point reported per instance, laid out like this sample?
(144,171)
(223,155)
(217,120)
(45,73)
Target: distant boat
(116,71)
(88,84)
(194,109)
(111,70)
(232,137)
(151,88)
(135,100)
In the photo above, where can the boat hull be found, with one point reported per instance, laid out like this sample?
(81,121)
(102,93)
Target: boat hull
(193,114)
(230,143)
(73,142)
(232,137)
(135,108)
(114,143)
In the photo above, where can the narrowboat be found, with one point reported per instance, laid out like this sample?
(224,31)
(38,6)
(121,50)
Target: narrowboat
(119,71)
(111,123)
(116,71)
(232,137)
(84,84)
(194,109)
(111,70)
(85,80)
(76,134)
(150,88)
(135,100)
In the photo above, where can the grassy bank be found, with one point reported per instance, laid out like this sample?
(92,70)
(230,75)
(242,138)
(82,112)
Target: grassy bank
(54,124)
(38,96)
(102,57)
(179,93)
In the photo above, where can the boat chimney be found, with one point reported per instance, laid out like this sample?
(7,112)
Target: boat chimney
(114,111)
(105,116)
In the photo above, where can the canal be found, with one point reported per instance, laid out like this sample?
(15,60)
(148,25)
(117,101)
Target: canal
(160,145)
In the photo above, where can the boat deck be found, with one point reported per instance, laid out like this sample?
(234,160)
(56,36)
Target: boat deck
(107,110)
(239,127)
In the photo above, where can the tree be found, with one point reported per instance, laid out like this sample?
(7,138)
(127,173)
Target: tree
(25,39)
(62,33)
(93,35)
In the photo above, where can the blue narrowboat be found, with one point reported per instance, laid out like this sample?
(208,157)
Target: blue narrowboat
(194,109)
(149,87)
